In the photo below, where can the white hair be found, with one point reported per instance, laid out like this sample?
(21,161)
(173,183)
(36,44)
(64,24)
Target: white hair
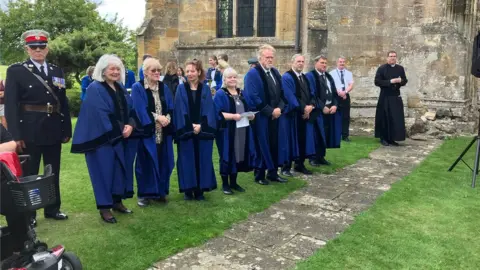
(228,72)
(264,47)
(102,64)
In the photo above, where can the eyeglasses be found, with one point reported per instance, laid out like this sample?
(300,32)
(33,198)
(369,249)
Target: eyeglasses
(34,47)
(156,70)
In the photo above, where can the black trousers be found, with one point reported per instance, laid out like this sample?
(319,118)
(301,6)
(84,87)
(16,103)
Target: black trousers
(301,135)
(51,154)
(18,225)
(320,146)
(344,106)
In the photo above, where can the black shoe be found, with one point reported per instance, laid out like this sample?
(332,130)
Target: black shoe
(237,188)
(33,222)
(287,173)
(313,163)
(346,139)
(188,196)
(200,197)
(227,190)
(278,179)
(393,143)
(323,161)
(303,170)
(262,182)
(143,202)
(384,143)
(57,216)
(111,219)
(122,210)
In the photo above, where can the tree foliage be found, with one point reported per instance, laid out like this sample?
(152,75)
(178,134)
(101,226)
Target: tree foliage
(78,34)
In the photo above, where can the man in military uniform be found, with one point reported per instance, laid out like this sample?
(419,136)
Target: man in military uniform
(36,110)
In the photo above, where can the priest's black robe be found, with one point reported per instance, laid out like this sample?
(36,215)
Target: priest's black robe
(389,116)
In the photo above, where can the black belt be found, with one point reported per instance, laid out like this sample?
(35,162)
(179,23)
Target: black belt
(40,108)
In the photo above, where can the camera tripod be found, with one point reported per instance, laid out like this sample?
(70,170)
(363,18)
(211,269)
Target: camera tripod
(477,157)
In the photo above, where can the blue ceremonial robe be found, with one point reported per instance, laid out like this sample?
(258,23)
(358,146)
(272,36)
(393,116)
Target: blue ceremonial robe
(155,163)
(291,90)
(333,138)
(257,97)
(194,163)
(224,103)
(129,78)
(98,134)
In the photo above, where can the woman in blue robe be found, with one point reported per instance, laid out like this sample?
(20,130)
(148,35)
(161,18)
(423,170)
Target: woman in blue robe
(102,133)
(153,103)
(236,147)
(195,122)
(86,81)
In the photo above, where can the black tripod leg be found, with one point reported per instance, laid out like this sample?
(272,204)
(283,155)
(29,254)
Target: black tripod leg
(463,153)
(477,160)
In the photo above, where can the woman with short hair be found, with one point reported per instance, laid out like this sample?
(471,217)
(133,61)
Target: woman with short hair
(102,133)
(153,103)
(86,81)
(236,147)
(196,124)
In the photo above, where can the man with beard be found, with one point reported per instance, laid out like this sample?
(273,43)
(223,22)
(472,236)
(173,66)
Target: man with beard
(263,92)
(389,117)
(328,128)
(300,105)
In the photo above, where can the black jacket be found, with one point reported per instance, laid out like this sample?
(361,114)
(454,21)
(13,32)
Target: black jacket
(22,87)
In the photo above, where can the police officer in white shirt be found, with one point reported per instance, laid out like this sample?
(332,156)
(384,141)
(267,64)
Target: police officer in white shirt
(344,82)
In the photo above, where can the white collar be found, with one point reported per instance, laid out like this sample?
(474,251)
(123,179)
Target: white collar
(321,73)
(266,70)
(393,65)
(340,70)
(297,73)
(38,65)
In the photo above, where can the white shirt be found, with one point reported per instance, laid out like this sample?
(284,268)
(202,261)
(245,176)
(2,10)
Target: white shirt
(329,87)
(212,74)
(38,65)
(271,74)
(337,75)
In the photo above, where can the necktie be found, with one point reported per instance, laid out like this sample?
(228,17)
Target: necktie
(326,84)
(42,71)
(269,76)
(342,80)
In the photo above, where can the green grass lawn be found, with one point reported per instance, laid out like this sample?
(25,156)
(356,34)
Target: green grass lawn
(429,220)
(156,232)
(3,72)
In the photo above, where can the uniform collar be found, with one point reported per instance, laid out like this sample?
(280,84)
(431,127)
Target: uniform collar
(38,65)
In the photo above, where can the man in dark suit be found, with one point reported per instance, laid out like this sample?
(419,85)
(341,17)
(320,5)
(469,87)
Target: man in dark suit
(328,128)
(36,110)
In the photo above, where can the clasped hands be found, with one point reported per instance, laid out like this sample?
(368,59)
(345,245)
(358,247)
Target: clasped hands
(331,110)
(196,128)
(276,113)
(306,112)
(162,120)
(396,80)
(237,117)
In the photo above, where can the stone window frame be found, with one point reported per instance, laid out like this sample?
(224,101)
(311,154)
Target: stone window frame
(256,7)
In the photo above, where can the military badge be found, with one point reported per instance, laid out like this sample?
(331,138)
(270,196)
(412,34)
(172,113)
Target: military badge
(58,82)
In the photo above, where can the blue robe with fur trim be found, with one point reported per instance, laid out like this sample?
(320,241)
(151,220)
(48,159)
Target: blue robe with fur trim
(98,134)
(194,162)
(154,164)
(224,103)
(334,137)
(257,96)
(291,89)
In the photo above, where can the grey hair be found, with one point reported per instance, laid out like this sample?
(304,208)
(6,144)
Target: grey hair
(228,72)
(320,57)
(103,63)
(342,57)
(265,47)
(297,55)
(90,69)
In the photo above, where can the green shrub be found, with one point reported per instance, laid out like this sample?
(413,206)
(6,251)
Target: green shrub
(74,101)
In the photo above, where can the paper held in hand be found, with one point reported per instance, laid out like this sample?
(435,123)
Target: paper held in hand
(244,122)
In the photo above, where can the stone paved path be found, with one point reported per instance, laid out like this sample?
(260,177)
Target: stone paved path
(294,228)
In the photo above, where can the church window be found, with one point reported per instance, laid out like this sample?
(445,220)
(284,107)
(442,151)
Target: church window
(225,18)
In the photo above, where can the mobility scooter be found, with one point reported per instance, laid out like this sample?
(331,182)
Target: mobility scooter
(20,196)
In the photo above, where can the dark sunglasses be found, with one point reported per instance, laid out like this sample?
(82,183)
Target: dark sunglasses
(156,70)
(34,47)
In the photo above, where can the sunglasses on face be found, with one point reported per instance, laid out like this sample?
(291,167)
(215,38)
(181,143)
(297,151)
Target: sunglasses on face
(156,70)
(34,47)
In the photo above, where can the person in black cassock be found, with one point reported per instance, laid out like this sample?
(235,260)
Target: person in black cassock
(37,112)
(389,117)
